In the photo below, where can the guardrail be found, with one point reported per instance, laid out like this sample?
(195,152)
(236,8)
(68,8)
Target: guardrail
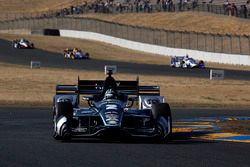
(223,58)
(229,44)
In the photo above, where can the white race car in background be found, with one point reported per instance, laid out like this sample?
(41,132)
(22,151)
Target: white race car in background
(186,62)
(22,43)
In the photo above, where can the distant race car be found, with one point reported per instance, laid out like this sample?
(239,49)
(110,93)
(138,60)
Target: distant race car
(22,43)
(75,53)
(186,62)
(111,111)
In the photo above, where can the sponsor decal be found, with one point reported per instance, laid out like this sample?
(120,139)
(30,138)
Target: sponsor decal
(112,117)
(111,107)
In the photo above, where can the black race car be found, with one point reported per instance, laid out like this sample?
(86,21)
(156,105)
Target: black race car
(110,110)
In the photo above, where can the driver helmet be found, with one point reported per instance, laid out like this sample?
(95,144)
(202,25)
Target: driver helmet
(21,40)
(110,94)
(75,50)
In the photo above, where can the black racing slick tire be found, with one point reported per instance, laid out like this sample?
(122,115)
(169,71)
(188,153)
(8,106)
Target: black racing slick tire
(63,109)
(162,109)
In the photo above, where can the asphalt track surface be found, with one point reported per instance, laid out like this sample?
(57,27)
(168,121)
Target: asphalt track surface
(55,60)
(25,140)
(25,133)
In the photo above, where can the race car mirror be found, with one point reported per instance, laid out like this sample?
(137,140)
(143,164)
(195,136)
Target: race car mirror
(145,102)
(131,101)
(110,69)
(87,98)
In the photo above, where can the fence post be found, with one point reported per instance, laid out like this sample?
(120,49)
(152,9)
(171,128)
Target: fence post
(231,44)
(71,23)
(127,32)
(222,48)
(56,23)
(96,26)
(160,37)
(165,39)
(23,24)
(84,24)
(240,44)
(62,22)
(213,42)
(197,40)
(249,44)
(174,38)
(148,36)
(81,21)
(154,40)
(205,36)
(141,32)
(181,39)
(189,40)
(105,28)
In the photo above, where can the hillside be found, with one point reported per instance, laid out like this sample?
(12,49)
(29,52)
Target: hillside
(182,21)
(17,6)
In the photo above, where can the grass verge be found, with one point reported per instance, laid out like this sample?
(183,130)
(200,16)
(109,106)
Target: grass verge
(19,85)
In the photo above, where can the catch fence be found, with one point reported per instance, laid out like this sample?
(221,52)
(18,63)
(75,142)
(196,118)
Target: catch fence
(231,44)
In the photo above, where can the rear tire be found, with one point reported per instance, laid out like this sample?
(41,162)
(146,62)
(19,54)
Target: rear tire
(201,64)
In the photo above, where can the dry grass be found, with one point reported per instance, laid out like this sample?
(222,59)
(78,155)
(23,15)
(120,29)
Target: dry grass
(27,6)
(21,85)
(10,9)
(182,21)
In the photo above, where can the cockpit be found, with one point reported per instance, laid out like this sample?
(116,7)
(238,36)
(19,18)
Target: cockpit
(23,40)
(110,94)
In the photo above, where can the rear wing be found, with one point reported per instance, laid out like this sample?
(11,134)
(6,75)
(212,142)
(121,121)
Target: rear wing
(93,87)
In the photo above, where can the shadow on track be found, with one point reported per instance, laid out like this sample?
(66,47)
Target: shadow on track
(177,138)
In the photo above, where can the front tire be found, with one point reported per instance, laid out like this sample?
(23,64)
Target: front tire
(163,119)
(62,110)
(87,55)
